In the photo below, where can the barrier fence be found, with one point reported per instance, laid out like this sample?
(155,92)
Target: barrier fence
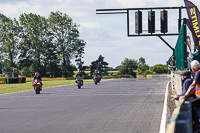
(12,80)
(181,119)
(2,80)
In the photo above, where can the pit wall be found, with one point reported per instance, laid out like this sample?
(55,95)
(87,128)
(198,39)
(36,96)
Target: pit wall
(177,83)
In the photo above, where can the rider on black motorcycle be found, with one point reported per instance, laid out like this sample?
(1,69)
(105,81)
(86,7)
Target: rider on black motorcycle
(37,76)
(79,75)
(96,74)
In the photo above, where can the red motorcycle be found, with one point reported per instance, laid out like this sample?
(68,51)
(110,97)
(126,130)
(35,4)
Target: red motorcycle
(37,86)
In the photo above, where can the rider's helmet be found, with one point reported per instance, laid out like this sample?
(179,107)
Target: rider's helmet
(98,72)
(36,74)
(95,71)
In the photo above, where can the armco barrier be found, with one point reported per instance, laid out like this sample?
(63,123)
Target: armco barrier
(181,119)
(15,80)
(2,80)
(159,76)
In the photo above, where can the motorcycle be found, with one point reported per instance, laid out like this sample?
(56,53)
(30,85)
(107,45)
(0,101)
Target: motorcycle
(79,82)
(37,86)
(97,79)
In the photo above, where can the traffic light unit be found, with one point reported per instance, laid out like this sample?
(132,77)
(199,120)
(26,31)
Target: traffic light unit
(151,22)
(138,22)
(163,20)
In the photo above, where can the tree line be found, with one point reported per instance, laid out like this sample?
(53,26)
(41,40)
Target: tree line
(47,45)
(134,67)
(35,43)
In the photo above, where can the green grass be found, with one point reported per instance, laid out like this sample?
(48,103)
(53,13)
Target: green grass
(8,88)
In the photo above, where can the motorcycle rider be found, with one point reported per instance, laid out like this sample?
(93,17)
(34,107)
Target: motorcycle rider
(79,75)
(37,76)
(95,73)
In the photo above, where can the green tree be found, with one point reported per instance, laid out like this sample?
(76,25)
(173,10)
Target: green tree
(40,44)
(65,34)
(1,63)
(99,65)
(141,61)
(79,55)
(9,39)
(128,66)
(159,69)
(34,36)
(142,69)
(27,71)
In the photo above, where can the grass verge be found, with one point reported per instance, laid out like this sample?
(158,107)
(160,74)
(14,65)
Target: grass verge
(8,88)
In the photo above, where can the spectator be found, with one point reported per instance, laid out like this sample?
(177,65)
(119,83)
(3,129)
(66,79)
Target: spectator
(170,66)
(194,87)
(186,82)
(195,56)
(196,82)
(173,63)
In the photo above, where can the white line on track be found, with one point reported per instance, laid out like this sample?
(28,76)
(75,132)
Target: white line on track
(164,113)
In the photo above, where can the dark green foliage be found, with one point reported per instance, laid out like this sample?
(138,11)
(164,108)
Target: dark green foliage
(43,45)
(128,66)
(79,55)
(131,66)
(141,61)
(142,69)
(9,39)
(99,65)
(159,69)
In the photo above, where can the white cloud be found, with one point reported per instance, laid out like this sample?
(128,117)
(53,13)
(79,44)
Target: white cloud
(90,26)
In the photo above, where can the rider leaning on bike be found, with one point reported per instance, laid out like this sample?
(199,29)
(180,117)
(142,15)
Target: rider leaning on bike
(79,75)
(96,73)
(37,76)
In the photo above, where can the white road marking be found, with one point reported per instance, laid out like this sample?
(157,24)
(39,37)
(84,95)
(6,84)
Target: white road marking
(164,113)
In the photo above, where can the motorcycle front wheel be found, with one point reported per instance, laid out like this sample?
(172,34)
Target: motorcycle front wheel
(37,91)
(79,86)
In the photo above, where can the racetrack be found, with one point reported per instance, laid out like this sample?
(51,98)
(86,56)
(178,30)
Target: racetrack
(113,106)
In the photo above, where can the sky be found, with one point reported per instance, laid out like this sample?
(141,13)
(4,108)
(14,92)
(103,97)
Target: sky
(106,35)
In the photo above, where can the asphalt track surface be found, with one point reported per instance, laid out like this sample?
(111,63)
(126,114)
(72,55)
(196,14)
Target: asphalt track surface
(113,106)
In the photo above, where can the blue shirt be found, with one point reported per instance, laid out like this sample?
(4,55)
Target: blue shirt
(197,77)
(186,83)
